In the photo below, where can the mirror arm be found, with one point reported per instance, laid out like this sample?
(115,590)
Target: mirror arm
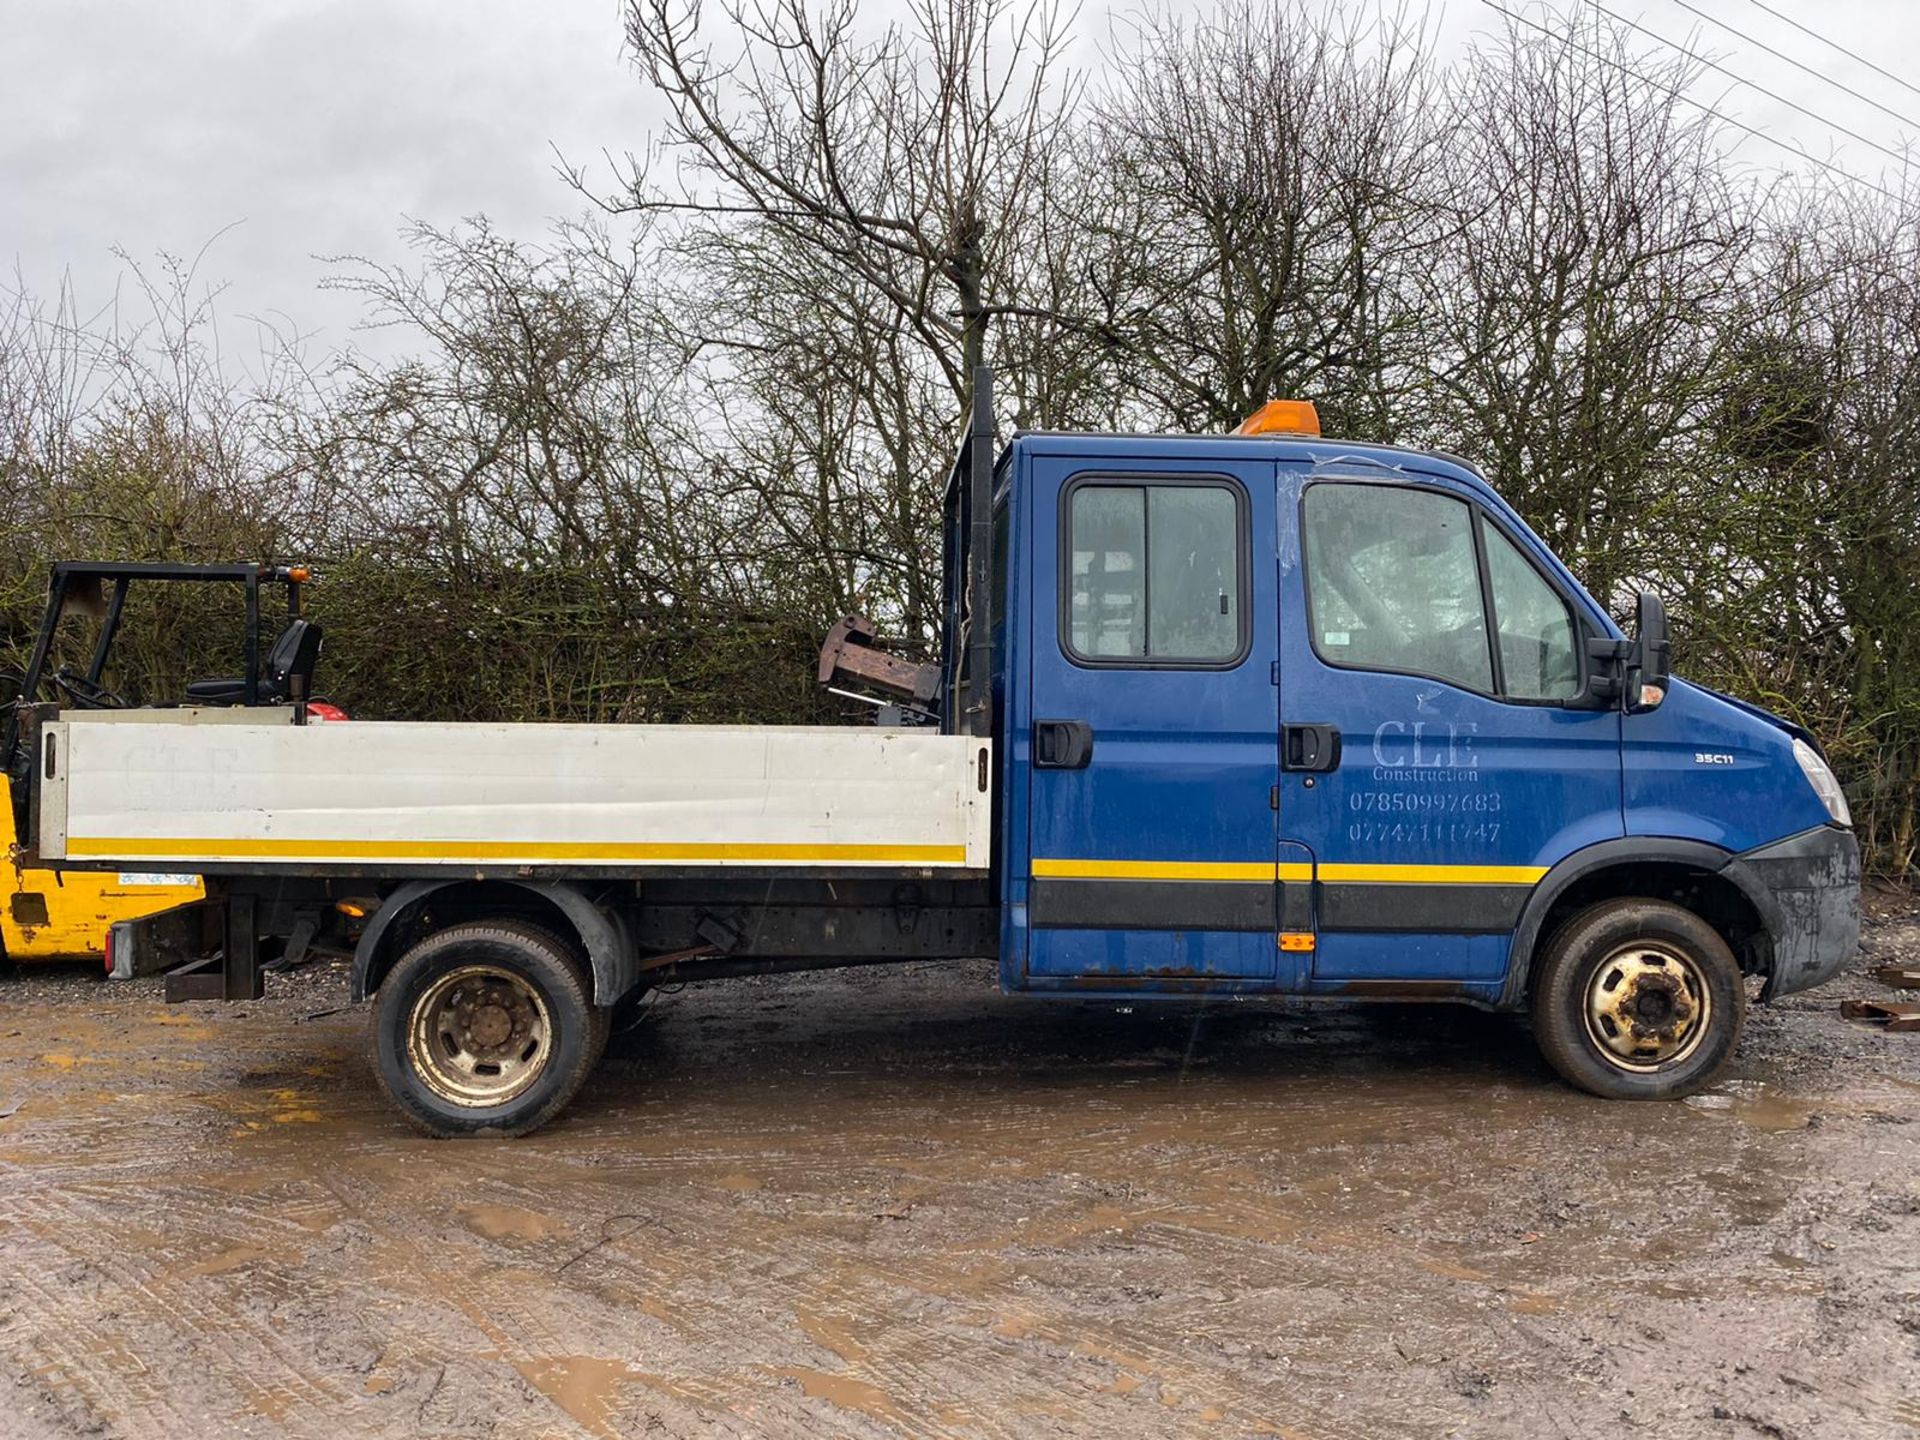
(1607,661)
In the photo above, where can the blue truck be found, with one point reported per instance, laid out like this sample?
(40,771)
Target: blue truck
(1253,714)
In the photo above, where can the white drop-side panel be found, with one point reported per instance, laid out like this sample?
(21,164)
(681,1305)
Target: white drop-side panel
(627,796)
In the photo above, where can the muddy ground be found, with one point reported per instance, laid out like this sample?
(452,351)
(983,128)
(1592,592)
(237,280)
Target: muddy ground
(881,1203)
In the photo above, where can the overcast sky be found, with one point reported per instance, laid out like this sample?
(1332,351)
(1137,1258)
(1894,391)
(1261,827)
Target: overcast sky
(315,127)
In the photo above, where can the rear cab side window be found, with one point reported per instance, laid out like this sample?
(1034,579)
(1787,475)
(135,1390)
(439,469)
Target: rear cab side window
(1405,580)
(1154,573)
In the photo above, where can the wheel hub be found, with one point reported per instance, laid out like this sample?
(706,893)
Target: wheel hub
(1646,1007)
(479,1035)
(490,1026)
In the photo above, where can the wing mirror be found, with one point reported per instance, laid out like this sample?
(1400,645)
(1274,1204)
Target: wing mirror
(1650,667)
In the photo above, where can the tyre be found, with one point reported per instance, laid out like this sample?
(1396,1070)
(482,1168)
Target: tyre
(1638,1000)
(486,1028)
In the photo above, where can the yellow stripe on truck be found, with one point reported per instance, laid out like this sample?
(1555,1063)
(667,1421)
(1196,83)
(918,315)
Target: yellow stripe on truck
(1266,872)
(583,851)
(1434,874)
(1156,870)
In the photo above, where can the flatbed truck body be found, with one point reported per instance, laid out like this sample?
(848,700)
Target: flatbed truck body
(418,800)
(1251,714)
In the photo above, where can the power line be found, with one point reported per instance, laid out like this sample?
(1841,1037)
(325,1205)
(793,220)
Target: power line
(1835,45)
(1742,80)
(1687,99)
(1800,65)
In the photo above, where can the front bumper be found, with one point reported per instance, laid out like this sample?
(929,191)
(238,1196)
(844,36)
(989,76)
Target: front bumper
(1808,890)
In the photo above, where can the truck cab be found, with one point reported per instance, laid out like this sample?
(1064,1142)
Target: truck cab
(1288,714)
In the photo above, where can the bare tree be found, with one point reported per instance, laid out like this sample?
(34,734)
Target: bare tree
(909,161)
(124,434)
(1271,174)
(1797,582)
(1584,294)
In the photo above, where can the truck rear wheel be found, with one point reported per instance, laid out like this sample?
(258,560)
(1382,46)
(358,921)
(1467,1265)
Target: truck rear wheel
(485,1028)
(1638,1000)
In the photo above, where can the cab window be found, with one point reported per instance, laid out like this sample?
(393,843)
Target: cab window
(1155,574)
(1539,659)
(1395,582)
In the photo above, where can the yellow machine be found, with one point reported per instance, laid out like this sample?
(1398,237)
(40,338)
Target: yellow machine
(46,915)
(49,916)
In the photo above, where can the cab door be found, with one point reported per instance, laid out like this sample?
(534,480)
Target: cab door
(1150,822)
(1437,746)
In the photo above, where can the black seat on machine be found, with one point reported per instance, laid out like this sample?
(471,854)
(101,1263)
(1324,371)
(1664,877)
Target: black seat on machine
(294,654)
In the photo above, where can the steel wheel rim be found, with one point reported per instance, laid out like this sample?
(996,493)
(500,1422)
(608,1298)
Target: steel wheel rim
(479,1036)
(1647,1007)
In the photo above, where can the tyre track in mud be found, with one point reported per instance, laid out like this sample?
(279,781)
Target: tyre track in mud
(880,1204)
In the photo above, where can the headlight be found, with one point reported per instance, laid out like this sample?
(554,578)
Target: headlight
(1824,785)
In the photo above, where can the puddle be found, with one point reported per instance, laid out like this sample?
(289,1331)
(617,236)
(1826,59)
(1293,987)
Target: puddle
(1753,1103)
(587,1387)
(832,1332)
(1766,1107)
(1708,1102)
(841,1390)
(237,1258)
(1773,1112)
(511,1222)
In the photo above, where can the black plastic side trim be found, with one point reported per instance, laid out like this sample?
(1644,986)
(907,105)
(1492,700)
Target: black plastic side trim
(1235,905)
(1454,909)
(1155,905)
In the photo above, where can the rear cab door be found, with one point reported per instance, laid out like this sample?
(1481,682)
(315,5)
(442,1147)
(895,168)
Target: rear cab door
(1146,722)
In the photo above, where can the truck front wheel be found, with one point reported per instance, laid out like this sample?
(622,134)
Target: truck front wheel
(1638,1000)
(485,1028)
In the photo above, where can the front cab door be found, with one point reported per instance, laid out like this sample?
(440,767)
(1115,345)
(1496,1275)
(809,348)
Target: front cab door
(1446,650)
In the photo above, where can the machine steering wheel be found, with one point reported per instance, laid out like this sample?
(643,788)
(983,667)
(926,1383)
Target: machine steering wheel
(86,694)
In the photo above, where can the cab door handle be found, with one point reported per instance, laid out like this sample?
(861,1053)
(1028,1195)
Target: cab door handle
(1312,748)
(1062,744)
